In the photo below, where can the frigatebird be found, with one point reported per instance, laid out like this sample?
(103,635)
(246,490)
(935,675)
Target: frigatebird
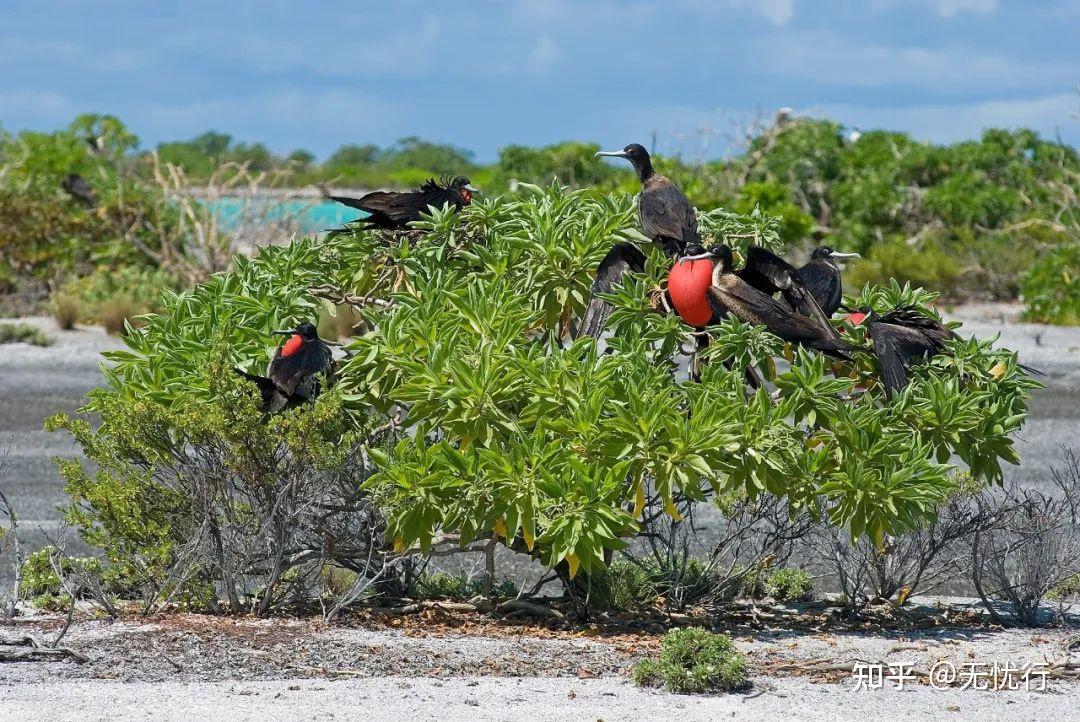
(901,336)
(392,209)
(78,188)
(770,274)
(294,373)
(729,294)
(665,214)
(821,277)
(666,218)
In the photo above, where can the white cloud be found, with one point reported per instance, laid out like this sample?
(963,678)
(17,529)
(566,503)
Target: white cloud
(952,8)
(827,58)
(545,54)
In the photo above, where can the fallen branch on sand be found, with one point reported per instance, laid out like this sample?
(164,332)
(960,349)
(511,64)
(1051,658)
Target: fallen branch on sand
(27,649)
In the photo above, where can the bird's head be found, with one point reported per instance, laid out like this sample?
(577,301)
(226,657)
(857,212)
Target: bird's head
(462,185)
(304,333)
(636,154)
(826,253)
(719,254)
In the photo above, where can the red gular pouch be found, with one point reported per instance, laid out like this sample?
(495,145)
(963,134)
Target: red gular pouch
(687,283)
(855,318)
(292,345)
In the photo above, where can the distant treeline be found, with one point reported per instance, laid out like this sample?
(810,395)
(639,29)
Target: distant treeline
(968,219)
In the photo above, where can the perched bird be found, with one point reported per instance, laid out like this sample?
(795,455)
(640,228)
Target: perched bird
(901,336)
(293,375)
(665,215)
(821,277)
(730,294)
(770,274)
(78,188)
(392,209)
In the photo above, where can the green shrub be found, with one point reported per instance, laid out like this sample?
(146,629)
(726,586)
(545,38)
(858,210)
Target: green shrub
(41,583)
(925,266)
(66,309)
(789,585)
(1052,288)
(623,586)
(110,295)
(515,428)
(23,333)
(1069,589)
(460,586)
(694,661)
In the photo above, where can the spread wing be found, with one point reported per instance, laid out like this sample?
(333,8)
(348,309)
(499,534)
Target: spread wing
(768,273)
(748,304)
(665,213)
(622,258)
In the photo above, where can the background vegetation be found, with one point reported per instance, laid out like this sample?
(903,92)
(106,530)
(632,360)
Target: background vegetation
(995,218)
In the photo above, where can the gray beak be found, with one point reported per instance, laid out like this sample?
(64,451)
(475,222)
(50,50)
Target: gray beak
(286,332)
(473,189)
(838,254)
(698,257)
(610,154)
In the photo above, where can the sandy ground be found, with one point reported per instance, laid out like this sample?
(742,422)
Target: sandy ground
(179,667)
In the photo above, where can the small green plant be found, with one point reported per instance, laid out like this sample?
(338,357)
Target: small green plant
(694,661)
(789,585)
(23,333)
(66,309)
(460,586)
(115,312)
(1068,589)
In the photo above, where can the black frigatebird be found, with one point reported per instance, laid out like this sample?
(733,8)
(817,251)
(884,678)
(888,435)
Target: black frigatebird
(770,274)
(78,188)
(665,214)
(294,373)
(821,277)
(731,294)
(666,218)
(901,336)
(393,209)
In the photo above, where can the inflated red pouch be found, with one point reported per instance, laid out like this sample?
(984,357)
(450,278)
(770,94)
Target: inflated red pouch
(687,283)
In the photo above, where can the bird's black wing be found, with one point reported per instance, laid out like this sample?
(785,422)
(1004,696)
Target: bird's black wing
(622,258)
(822,280)
(267,388)
(750,305)
(766,271)
(666,215)
(895,345)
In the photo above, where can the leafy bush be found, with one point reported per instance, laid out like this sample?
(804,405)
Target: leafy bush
(789,585)
(66,310)
(1052,288)
(515,429)
(41,581)
(23,333)
(624,585)
(694,661)
(460,586)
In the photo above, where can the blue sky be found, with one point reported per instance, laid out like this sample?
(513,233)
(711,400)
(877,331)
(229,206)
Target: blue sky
(484,74)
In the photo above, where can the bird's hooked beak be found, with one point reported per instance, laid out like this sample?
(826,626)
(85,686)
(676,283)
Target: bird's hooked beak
(284,332)
(698,257)
(472,189)
(838,254)
(611,154)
